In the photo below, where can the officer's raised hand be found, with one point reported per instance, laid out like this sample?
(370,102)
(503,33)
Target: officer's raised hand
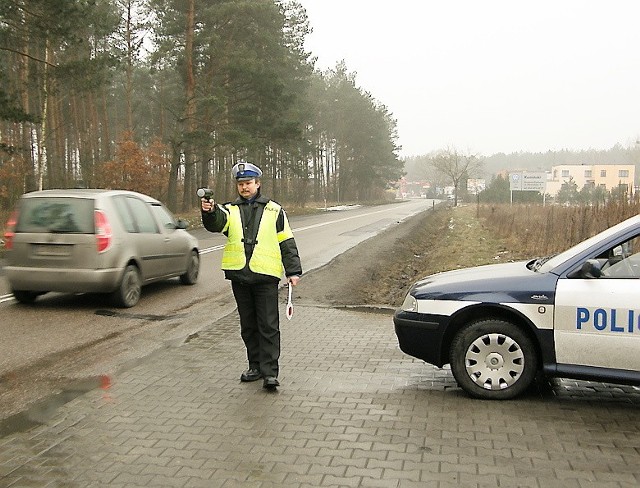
(207,205)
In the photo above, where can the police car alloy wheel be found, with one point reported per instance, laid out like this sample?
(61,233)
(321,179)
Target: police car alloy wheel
(493,359)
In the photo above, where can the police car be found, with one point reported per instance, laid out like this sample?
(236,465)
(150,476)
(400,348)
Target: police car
(572,315)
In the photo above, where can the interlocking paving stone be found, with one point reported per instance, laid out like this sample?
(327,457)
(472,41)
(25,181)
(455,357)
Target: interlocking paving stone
(353,410)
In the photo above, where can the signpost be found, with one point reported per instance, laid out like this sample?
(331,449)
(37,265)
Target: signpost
(525,181)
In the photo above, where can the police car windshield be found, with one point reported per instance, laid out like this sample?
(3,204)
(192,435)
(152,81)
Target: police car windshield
(584,245)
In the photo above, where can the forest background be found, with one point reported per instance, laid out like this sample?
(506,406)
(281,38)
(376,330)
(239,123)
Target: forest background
(164,96)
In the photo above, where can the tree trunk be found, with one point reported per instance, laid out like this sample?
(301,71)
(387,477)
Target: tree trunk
(95,141)
(106,135)
(189,198)
(79,124)
(25,127)
(129,69)
(172,190)
(44,132)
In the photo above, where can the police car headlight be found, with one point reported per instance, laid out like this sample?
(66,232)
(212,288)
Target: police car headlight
(410,304)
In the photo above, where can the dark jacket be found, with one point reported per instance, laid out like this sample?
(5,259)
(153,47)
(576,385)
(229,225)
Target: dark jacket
(251,213)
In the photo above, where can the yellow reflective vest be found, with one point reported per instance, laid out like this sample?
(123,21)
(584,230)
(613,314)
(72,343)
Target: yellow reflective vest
(266,258)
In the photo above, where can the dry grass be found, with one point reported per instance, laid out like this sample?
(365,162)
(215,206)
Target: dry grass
(382,269)
(465,236)
(467,241)
(538,230)
(489,234)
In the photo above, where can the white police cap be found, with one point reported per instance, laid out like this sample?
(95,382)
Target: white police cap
(246,171)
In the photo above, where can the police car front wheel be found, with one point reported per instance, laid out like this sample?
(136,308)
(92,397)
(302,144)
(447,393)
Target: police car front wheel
(493,359)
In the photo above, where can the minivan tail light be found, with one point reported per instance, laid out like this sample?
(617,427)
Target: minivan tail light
(10,233)
(103,231)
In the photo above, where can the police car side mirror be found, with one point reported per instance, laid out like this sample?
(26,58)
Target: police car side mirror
(590,269)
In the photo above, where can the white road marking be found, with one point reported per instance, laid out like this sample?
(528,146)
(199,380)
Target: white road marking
(301,229)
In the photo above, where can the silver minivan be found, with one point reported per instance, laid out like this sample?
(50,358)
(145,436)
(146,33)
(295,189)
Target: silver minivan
(95,241)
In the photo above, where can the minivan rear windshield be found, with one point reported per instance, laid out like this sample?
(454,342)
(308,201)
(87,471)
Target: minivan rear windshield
(56,214)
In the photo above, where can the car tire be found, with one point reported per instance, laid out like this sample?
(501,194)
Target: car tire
(190,277)
(493,360)
(130,289)
(24,296)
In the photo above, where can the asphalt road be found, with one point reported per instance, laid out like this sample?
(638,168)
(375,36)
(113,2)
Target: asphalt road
(58,327)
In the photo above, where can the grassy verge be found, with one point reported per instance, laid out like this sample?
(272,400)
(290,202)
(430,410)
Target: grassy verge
(445,239)
(472,236)
(465,236)
(539,230)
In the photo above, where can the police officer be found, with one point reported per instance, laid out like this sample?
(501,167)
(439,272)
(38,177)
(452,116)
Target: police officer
(259,245)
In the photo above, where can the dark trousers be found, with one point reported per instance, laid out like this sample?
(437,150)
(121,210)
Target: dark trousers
(259,324)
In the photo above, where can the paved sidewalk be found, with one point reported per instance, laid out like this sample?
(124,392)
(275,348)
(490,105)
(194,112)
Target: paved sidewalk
(353,411)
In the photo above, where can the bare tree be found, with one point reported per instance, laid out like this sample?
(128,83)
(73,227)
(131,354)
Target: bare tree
(456,166)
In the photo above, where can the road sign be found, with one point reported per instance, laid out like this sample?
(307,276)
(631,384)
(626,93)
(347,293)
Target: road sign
(525,181)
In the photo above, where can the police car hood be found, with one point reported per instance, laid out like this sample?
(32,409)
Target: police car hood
(501,283)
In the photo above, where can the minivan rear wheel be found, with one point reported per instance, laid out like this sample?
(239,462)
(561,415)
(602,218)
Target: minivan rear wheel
(193,268)
(128,293)
(24,296)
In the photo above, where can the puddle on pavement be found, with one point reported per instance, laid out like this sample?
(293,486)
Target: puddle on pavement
(44,410)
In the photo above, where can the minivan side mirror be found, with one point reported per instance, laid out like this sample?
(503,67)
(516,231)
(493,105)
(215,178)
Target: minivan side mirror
(182,224)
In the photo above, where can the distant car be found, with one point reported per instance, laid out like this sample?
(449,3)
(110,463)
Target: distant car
(573,315)
(95,241)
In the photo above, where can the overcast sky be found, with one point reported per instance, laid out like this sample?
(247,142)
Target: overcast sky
(489,76)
